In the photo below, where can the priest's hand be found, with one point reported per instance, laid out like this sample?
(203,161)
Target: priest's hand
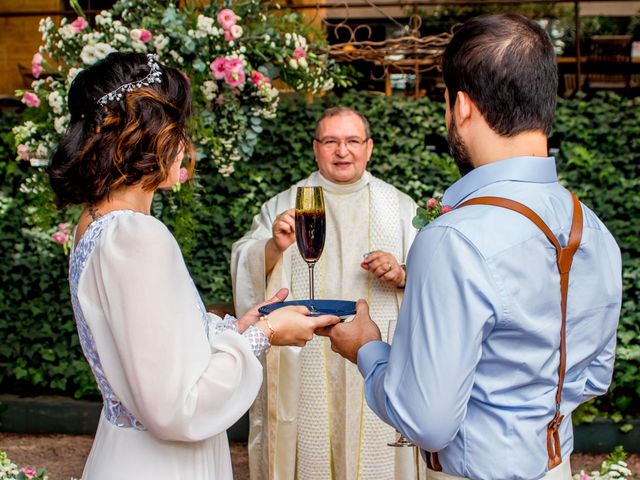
(385,268)
(283,230)
(283,234)
(347,338)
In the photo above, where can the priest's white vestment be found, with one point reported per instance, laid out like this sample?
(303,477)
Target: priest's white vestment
(310,420)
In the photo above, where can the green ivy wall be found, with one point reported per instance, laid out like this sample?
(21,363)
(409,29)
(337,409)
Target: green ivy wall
(39,352)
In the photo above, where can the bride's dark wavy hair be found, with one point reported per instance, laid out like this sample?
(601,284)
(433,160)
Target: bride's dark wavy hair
(127,141)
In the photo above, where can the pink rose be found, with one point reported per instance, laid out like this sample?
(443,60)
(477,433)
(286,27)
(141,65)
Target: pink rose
(235,65)
(220,99)
(79,24)
(184,175)
(140,35)
(145,35)
(228,36)
(446,209)
(219,67)
(36,70)
(64,228)
(227,18)
(23,151)
(36,65)
(259,79)
(234,79)
(60,237)
(31,100)
(299,52)
(234,74)
(432,203)
(29,472)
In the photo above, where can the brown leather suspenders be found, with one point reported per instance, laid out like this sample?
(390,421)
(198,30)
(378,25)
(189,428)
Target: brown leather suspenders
(564,260)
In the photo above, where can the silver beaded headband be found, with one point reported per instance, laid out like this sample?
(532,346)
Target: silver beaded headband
(155,76)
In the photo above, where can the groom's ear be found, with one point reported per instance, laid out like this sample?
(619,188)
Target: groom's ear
(464,108)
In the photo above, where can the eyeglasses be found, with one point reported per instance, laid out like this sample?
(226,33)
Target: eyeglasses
(332,144)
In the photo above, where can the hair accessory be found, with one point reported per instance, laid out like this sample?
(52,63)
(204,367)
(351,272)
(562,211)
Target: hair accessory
(155,76)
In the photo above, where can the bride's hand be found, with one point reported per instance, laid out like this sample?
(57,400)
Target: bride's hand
(252,316)
(292,325)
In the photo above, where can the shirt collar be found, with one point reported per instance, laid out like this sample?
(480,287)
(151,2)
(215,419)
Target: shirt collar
(517,169)
(338,188)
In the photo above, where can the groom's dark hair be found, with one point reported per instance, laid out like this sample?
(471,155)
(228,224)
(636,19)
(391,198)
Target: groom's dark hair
(507,65)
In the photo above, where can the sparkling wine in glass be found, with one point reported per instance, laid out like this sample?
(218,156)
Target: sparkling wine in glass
(310,228)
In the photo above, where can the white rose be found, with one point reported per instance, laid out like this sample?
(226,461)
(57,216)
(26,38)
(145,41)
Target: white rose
(236,31)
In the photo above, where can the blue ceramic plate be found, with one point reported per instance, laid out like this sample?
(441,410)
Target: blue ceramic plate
(339,308)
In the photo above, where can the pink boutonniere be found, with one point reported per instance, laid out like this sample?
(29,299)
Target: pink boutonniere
(433,210)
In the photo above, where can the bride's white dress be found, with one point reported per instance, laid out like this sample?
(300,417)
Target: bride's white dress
(173,377)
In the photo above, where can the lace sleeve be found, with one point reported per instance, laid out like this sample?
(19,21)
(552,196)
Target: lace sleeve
(256,337)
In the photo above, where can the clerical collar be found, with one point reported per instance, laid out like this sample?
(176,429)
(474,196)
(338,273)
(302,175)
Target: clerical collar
(339,188)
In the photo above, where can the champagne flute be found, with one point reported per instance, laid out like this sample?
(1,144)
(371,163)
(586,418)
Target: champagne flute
(310,228)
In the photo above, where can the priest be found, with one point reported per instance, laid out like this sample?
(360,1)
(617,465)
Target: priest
(310,420)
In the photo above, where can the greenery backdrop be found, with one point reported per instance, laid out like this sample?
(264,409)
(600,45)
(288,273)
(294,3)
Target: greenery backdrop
(598,159)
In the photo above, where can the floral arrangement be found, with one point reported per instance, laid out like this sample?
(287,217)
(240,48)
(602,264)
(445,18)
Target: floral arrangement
(232,52)
(432,210)
(613,466)
(231,55)
(10,471)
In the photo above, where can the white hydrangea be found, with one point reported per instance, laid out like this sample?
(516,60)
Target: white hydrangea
(67,32)
(209,88)
(299,40)
(176,56)
(120,38)
(61,124)
(90,54)
(56,102)
(328,85)
(226,170)
(160,42)
(42,151)
(138,46)
(104,18)
(73,72)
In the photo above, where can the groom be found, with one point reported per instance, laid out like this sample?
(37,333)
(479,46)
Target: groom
(507,325)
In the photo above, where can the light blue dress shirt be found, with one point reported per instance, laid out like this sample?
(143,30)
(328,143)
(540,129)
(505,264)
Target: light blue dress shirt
(473,368)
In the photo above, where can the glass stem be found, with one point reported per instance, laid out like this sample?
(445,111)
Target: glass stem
(311,285)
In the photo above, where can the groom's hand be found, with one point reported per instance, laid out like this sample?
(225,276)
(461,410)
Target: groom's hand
(347,338)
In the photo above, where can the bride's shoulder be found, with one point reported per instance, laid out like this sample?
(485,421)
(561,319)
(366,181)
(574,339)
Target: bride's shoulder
(138,229)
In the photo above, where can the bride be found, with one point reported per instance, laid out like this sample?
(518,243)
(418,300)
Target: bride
(173,377)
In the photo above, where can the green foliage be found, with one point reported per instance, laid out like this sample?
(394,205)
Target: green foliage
(598,160)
